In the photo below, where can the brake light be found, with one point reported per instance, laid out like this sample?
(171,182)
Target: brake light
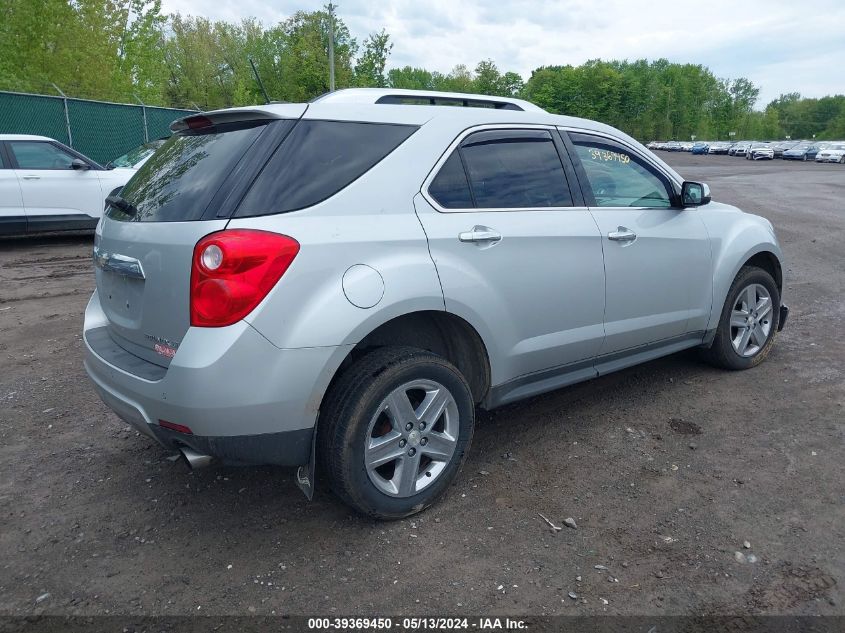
(199,122)
(233,271)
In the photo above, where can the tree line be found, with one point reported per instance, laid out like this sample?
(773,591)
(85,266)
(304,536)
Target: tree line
(129,51)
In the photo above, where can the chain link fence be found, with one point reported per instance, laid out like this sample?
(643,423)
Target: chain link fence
(98,129)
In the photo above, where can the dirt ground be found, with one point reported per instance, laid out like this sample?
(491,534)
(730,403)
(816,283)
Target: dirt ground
(667,469)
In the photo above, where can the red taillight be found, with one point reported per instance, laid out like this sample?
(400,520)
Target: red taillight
(233,271)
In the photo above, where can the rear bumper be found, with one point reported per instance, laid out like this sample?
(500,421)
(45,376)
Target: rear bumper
(286,448)
(244,400)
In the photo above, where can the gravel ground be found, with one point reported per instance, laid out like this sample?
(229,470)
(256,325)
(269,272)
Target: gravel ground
(693,490)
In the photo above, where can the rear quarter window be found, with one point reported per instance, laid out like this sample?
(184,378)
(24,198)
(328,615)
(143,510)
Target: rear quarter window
(450,187)
(318,159)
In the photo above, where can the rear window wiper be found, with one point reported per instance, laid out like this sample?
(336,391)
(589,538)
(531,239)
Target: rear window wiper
(124,205)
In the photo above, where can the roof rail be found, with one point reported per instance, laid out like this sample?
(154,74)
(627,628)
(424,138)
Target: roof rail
(424,97)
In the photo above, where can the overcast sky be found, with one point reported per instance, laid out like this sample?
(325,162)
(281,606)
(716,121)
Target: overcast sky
(781,45)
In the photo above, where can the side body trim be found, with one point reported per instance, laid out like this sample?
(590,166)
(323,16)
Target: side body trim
(565,375)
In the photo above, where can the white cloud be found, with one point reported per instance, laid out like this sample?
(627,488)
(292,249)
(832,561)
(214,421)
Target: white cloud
(781,45)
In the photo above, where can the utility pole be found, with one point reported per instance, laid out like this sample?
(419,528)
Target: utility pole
(331,7)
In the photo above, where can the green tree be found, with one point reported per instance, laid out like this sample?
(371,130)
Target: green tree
(410,78)
(369,69)
(124,50)
(488,79)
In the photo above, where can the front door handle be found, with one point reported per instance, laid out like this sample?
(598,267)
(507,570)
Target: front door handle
(622,234)
(31,177)
(480,235)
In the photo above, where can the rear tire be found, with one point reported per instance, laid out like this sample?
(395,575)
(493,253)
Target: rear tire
(394,431)
(748,323)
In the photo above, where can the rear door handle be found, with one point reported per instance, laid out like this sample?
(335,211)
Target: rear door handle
(31,177)
(622,234)
(480,235)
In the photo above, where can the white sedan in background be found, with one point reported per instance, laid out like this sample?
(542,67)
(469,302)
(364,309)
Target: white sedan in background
(47,186)
(760,151)
(832,154)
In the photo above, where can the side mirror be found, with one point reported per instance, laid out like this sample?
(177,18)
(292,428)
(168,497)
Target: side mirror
(79,164)
(694,194)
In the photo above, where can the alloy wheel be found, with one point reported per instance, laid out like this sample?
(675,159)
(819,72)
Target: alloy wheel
(751,320)
(411,438)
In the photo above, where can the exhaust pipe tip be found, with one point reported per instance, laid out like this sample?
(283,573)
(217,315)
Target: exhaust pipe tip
(193,459)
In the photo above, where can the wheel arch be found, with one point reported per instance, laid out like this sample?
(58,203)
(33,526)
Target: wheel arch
(769,262)
(766,256)
(437,331)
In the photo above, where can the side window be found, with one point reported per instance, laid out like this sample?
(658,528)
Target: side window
(450,187)
(513,169)
(619,178)
(39,155)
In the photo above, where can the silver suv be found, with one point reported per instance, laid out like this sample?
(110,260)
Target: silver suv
(339,284)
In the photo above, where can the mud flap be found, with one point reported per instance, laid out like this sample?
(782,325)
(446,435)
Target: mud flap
(305,475)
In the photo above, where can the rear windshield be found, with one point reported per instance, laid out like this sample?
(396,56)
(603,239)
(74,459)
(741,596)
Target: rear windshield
(318,159)
(181,178)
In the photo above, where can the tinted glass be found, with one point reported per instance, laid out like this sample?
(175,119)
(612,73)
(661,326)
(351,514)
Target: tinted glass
(40,155)
(619,178)
(515,170)
(318,159)
(181,178)
(135,156)
(450,187)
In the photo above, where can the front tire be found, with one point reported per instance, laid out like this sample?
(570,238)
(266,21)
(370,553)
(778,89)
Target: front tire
(749,321)
(394,431)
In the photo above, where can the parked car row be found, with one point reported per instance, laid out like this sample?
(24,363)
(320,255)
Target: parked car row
(48,186)
(819,151)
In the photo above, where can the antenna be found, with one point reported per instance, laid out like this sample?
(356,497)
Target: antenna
(258,79)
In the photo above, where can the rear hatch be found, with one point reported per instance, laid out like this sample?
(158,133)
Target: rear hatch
(189,188)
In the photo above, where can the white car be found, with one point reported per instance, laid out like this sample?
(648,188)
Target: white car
(832,154)
(761,151)
(47,186)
